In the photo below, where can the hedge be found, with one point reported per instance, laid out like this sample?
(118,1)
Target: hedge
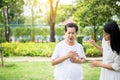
(41,49)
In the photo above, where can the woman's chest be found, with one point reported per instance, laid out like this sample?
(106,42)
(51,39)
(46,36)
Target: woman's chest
(108,55)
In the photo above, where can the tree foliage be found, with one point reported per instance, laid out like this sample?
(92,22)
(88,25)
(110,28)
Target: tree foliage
(35,10)
(64,12)
(10,9)
(95,13)
(15,8)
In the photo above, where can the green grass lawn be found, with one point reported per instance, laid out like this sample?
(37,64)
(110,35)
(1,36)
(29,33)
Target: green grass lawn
(90,73)
(39,71)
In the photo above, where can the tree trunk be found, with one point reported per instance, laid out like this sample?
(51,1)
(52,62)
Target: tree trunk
(8,26)
(52,32)
(94,33)
(51,20)
(6,23)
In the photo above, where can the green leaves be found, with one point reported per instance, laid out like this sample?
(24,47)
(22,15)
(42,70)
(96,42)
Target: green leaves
(29,49)
(95,13)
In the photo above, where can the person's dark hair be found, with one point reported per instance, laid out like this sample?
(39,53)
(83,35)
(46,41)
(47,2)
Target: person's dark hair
(71,25)
(114,31)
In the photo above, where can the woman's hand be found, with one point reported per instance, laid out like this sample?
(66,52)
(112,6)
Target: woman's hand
(92,41)
(94,63)
(94,44)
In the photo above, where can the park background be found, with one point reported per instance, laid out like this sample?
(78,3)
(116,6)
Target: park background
(33,28)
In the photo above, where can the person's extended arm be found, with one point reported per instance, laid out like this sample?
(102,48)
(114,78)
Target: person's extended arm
(95,63)
(114,66)
(96,45)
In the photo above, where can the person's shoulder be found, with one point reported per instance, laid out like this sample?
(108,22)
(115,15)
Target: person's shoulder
(103,40)
(79,44)
(60,43)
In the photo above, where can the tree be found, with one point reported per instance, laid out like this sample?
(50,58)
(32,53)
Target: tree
(65,12)
(95,13)
(52,17)
(10,8)
(34,7)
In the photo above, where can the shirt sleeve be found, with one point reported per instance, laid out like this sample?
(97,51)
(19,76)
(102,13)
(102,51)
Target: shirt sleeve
(56,52)
(116,64)
(82,54)
(103,42)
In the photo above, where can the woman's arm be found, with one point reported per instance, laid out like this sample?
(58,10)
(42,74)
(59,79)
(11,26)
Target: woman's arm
(95,63)
(96,45)
(115,66)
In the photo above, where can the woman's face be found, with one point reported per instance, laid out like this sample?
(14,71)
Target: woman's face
(106,36)
(70,34)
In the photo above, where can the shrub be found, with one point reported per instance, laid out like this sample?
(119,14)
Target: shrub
(41,49)
(28,49)
(90,50)
(79,39)
(2,39)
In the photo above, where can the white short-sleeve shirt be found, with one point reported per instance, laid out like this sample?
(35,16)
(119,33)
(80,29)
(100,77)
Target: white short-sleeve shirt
(68,70)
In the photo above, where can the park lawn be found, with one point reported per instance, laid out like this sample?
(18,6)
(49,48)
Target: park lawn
(39,71)
(90,73)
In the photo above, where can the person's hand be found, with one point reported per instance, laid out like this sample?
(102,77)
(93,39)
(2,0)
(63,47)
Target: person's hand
(72,54)
(73,59)
(92,41)
(95,45)
(77,60)
(94,63)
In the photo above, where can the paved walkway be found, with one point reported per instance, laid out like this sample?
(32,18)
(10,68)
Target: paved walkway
(29,59)
(26,59)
